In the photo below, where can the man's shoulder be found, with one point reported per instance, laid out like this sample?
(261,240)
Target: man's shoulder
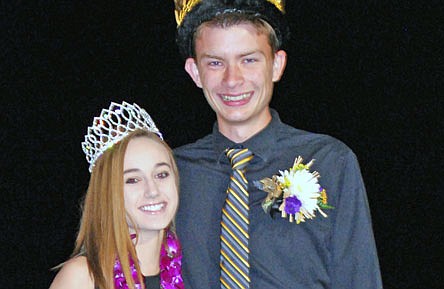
(201,145)
(305,138)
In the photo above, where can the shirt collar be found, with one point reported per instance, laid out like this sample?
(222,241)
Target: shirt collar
(259,144)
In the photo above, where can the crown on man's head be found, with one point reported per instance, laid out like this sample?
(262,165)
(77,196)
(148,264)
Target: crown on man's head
(182,7)
(190,14)
(112,126)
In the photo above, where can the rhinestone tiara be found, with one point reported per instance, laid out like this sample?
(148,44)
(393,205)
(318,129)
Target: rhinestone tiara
(112,126)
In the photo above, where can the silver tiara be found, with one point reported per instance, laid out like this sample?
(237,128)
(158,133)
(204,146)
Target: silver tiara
(112,126)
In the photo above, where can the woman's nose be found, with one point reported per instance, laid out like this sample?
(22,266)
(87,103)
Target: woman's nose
(151,190)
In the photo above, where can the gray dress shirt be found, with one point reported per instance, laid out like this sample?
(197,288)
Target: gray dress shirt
(334,252)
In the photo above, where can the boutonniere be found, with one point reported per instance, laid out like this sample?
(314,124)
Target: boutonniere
(295,193)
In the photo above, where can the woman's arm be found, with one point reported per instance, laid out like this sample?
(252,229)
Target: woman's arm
(73,275)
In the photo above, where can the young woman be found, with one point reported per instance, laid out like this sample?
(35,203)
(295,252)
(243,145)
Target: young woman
(126,237)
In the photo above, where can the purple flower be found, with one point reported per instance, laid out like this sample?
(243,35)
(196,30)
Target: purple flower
(292,205)
(170,267)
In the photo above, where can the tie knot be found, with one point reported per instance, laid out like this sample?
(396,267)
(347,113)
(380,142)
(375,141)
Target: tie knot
(239,158)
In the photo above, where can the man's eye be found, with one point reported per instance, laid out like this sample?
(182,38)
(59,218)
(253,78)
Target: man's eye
(131,181)
(250,60)
(162,175)
(215,63)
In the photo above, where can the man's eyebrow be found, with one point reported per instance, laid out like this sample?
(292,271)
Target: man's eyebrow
(248,53)
(206,55)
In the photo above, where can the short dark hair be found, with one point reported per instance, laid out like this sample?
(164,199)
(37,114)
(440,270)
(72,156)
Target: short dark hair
(232,19)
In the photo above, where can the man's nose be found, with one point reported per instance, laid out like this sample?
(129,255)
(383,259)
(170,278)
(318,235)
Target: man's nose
(233,75)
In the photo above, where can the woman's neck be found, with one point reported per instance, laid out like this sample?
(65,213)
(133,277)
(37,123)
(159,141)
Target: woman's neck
(148,252)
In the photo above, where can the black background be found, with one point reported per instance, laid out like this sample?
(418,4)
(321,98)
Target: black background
(367,72)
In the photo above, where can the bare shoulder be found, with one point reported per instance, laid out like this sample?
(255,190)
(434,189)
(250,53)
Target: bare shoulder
(74,274)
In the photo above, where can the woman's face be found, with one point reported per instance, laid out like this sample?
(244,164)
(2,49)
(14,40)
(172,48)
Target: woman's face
(150,190)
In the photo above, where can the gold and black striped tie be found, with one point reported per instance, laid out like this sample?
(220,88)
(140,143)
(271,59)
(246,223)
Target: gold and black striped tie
(234,237)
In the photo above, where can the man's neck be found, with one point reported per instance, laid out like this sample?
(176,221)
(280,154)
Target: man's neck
(241,132)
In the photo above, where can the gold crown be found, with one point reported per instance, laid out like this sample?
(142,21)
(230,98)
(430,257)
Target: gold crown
(182,7)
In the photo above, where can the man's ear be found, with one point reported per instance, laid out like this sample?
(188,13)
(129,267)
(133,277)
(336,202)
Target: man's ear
(279,63)
(191,68)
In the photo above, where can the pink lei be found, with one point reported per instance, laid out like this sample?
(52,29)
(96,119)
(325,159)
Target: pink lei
(170,267)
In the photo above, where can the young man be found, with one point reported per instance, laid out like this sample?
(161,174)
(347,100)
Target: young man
(232,52)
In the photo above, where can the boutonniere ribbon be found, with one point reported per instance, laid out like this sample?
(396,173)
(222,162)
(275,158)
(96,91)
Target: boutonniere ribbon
(295,193)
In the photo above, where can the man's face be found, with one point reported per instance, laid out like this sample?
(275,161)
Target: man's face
(236,68)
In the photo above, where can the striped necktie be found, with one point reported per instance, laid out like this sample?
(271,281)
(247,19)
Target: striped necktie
(234,237)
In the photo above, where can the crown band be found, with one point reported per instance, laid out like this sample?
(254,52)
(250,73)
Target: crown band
(182,7)
(112,126)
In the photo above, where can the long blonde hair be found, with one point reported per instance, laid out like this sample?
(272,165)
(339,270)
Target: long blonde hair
(103,234)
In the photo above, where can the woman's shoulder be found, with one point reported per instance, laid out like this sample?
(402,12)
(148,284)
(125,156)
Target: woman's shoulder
(74,274)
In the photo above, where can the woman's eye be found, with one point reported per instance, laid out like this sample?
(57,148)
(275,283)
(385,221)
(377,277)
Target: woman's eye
(131,181)
(162,175)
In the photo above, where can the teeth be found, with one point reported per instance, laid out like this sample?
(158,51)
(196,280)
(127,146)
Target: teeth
(152,208)
(235,98)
